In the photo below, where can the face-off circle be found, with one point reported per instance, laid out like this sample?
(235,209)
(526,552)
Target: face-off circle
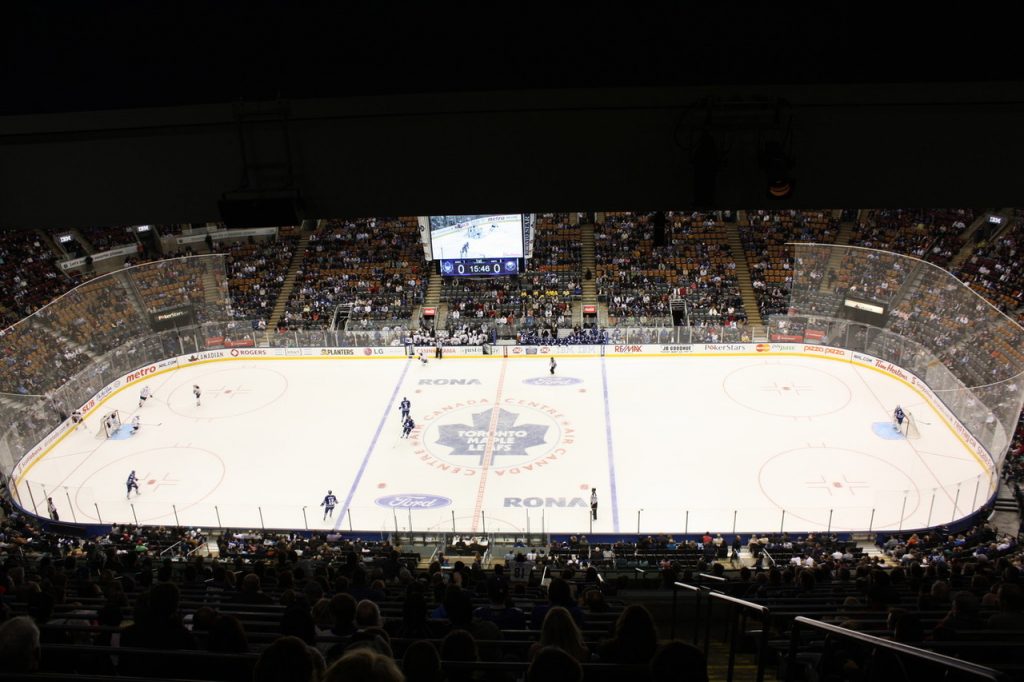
(229,392)
(786,390)
(179,476)
(850,482)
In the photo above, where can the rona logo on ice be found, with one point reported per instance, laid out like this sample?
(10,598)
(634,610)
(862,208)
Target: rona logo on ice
(507,438)
(413,501)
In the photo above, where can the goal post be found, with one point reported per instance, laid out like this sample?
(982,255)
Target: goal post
(909,428)
(110,422)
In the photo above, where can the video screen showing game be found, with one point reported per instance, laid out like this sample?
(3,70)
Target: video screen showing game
(476,236)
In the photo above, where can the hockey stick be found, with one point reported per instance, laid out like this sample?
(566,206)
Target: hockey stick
(148,424)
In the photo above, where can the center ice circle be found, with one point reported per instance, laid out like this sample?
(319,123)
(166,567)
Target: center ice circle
(786,390)
(511,434)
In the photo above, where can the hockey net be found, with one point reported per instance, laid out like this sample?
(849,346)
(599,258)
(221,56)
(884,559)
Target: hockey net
(109,424)
(909,426)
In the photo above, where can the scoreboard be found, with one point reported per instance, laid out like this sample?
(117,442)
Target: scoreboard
(479,267)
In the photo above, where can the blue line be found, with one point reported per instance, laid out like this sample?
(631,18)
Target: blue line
(373,444)
(611,448)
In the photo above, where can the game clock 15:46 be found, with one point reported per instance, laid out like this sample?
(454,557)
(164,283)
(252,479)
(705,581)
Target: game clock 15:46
(479,267)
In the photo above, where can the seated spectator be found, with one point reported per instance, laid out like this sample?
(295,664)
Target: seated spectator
(560,631)
(559,594)
(343,609)
(635,639)
(288,659)
(364,665)
(459,646)
(422,663)
(251,592)
(963,617)
(19,645)
(1011,609)
(552,664)
(679,661)
(498,610)
(368,615)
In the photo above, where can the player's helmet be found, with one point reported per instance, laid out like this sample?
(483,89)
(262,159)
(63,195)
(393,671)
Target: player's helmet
(328,492)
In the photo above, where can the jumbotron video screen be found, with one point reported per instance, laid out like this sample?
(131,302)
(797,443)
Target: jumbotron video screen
(476,236)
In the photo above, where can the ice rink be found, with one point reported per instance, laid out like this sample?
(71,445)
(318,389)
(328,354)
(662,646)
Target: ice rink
(670,443)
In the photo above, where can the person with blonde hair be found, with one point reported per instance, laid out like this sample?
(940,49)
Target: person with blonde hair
(365,665)
(560,630)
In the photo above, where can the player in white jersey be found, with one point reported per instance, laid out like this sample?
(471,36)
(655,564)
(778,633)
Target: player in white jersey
(552,365)
(144,395)
(423,357)
(197,393)
(330,501)
(135,423)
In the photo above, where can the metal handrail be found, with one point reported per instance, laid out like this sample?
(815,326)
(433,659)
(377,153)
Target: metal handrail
(740,608)
(698,589)
(168,549)
(712,578)
(878,642)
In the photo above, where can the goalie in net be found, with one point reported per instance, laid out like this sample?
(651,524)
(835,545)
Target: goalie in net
(904,422)
(109,424)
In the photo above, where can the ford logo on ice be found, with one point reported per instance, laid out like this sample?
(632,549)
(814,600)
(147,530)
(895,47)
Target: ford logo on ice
(413,501)
(553,381)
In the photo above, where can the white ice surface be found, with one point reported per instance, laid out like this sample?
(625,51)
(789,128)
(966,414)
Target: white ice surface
(694,443)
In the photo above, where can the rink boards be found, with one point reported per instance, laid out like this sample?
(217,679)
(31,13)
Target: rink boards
(673,437)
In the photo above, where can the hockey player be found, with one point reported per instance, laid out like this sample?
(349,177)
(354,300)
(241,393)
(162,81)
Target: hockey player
(407,426)
(552,365)
(898,416)
(465,250)
(133,484)
(330,501)
(76,419)
(136,422)
(111,423)
(51,508)
(197,393)
(423,357)
(404,408)
(144,395)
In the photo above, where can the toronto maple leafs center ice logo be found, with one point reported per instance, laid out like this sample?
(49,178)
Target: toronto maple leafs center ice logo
(507,439)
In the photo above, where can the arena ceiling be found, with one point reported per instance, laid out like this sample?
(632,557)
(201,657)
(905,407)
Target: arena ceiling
(146,112)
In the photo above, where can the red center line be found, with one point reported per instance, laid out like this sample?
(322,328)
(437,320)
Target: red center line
(489,447)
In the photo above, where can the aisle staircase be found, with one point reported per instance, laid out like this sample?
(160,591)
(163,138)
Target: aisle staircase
(589,262)
(835,260)
(970,244)
(758,325)
(289,281)
(432,299)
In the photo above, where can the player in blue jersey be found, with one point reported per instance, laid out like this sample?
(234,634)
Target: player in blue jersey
(404,407)
(329,503)
(133,484)
(407,426)
(898,416)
